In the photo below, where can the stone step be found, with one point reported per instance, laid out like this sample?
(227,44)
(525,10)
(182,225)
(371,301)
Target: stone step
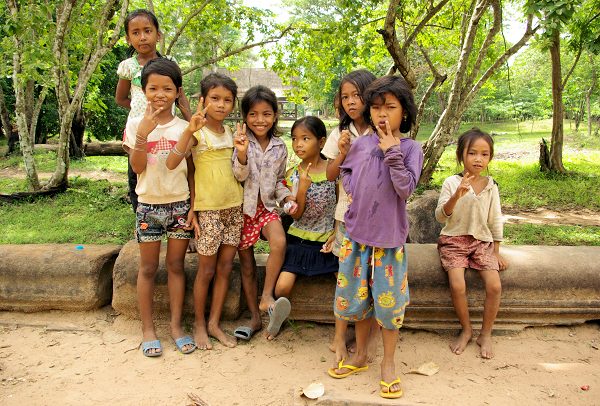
(37,277)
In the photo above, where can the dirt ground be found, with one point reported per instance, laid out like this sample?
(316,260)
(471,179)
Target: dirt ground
(90,358)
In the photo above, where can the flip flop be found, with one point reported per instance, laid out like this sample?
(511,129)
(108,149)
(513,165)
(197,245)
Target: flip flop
(151,345)
(278,312)
(353,369)
(389,394)
(244,332)
(182,342)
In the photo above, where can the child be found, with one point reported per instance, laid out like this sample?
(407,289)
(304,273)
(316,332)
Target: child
(164,199)
(218,203)
(142,34)
(379,173)
(310,237)
(259,162)
(352,125)
(469,205)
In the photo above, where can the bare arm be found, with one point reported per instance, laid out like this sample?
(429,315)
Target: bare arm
(122,93)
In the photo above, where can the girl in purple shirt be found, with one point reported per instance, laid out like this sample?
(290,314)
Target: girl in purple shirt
(379,173)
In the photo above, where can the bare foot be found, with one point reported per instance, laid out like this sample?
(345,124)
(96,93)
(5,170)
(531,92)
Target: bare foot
(201,337)
(224,338)
(461,342)
(485,344)
(150,335)
(265,303)
(177,333)
(339,347)
(355,360)
(388,374)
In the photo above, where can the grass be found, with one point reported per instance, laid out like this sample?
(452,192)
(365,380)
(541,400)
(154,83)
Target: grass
(95,211)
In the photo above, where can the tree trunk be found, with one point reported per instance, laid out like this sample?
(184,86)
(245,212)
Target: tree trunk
(77,132)
(588,96)
(445,128)
(556,147)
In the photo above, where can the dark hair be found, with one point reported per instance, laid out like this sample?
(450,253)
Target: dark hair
(163,67)
(312,124)
(397,86)
(213,80)
(140,12)
(257,94)
(361,79)
(469,137)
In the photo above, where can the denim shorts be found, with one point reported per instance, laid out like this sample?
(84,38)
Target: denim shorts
(153,221)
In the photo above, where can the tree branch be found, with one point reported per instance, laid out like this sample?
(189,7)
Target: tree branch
(184,24)
(236,51)
(568,75)
(430,14)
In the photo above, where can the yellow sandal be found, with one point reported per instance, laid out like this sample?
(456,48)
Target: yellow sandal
(389,394)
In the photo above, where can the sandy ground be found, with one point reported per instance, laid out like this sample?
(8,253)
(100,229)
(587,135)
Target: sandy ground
(53,358)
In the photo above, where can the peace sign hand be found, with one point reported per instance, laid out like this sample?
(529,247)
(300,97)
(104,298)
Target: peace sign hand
(344,142)
(386,139)
(149,121)
(465,184)
(198,120)
(304,181)
(240,141)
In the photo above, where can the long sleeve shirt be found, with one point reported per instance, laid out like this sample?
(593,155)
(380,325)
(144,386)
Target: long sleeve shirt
(477,215)
(379,185)
(263,174)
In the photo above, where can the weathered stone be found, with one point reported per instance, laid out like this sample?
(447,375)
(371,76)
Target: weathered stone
(37,277)
(543,286)
(423,227)
(125,278)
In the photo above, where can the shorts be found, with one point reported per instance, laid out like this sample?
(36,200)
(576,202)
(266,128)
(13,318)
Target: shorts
(465,251)
(254,225)
(340,232)
(219,227)
(372,282)
(304,257)
(153,221)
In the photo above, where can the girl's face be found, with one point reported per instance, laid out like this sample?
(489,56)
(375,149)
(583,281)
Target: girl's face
(260,118)
(142,35)
(351,101)
(160,91)
(305,144)
(221,103)
(477,156)
(388,108)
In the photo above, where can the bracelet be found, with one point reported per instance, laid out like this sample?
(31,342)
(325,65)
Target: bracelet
(176,151)
(139,149)
(141,139)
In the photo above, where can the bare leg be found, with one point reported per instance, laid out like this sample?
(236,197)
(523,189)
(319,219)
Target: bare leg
(276,237)
(250,286)
(388,367)
(339,340)
(176,283)
(373,339)
(283,288)
(206,272)
(359,358)
(149,253)
(219,294)
(458,290)
(493,291)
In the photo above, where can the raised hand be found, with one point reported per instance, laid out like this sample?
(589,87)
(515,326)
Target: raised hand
(149,121)
(386,138)
(465,184)
(240,141)
(198,120)
(304,181)
(344,142)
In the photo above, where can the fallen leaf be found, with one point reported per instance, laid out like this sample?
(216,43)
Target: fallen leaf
(427,369)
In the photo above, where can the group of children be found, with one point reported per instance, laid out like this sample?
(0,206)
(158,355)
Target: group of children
(346,199)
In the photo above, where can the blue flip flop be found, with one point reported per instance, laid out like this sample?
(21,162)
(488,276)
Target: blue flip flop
(278,312)
(182,342)
(151,345)
(244,332)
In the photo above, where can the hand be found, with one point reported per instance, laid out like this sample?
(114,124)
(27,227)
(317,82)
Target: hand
(240,142)
(198,120)
(344,142)
(465,184)
(502,263)
(149,121)
(328,246)
(183,104)
(195,225)
(349,198)
(304,181)
(189,224)
(292,206)
(386,139)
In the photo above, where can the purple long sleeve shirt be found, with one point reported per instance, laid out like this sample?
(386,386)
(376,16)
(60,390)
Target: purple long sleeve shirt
(380,185)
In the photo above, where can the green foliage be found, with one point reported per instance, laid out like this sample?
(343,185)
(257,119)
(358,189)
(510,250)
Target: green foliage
(536,234)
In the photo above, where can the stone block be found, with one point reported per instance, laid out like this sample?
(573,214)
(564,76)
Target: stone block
(423,227)
(37,277)
(543,286)
(125,277)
